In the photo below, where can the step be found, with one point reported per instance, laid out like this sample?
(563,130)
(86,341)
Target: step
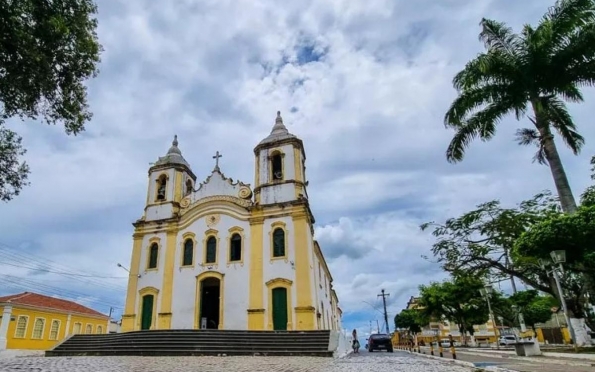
(192,346)
(214,352)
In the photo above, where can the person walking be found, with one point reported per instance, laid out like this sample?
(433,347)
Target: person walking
(355,342)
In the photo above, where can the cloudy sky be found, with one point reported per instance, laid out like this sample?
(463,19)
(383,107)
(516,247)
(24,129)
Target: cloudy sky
(365,84)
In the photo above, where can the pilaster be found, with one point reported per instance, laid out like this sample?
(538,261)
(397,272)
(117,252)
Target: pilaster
(6,314)
(256,319)
(128,318)
(305,312)
(168,281)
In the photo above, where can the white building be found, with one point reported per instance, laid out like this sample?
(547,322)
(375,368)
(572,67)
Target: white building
(220,254)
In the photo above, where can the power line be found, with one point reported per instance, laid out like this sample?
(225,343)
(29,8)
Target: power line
(34,286)
(62,273)
(46,264)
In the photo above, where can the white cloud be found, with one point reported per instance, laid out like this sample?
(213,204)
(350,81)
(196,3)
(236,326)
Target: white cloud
(369,110)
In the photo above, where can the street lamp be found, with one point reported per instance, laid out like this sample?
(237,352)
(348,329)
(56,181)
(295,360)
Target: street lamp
(485,293)
(558,258)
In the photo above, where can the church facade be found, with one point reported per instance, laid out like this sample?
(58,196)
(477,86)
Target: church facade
(223,255)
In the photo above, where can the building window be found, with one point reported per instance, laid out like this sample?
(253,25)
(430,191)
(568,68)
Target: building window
(189,187)
(235,248)
(188,252)
(277,167)
(278,242)
(54,329)
(38,328)
(77,328)
(99,330)
(161,187)
(89,329)
(21,326)
(211,254)
(153,255)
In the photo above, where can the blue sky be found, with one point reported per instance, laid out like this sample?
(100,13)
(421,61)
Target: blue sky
(365,84)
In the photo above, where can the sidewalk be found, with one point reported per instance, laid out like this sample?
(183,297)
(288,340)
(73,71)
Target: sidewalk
(508,361)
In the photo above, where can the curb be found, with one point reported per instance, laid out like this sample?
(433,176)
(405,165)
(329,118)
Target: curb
(461,363)
(543,359)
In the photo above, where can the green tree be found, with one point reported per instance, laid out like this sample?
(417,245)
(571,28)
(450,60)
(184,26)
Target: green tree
(409,319)
(457,300)
(529,74)
(535,308)
(482,240)
(47,51)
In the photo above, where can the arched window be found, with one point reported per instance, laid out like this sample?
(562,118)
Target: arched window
(278,242)
(89,329)
(54,329)
(161,187)
(189,187)
(153,255)
(277,167)
(77,328)
(188,252)
(235,248)
(21,326)
(99,330)
(38,328)
(211,254)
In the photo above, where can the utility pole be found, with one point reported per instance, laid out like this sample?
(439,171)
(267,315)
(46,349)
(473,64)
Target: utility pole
(384,295)
(111,309)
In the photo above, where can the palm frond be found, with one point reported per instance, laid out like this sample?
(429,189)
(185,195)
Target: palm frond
(481,125)
(527,136)
(566,15)
(573,61)
(496,36)
(558,116)
(487,68)
(471,99)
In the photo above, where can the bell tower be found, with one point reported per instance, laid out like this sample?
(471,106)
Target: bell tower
(280,167)
(170,179)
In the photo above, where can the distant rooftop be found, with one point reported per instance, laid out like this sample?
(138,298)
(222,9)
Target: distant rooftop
(38,300)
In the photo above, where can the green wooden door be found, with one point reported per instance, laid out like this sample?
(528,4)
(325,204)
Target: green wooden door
(280,309)
(147,312)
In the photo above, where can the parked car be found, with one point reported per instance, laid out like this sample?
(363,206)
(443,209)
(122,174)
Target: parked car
(380,341)
(507,340)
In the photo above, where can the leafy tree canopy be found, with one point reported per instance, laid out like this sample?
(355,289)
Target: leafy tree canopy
(48,49)
(481,240)
(457,300)
(409,319)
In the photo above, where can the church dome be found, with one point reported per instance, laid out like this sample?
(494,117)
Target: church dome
(278,133)
(173,156)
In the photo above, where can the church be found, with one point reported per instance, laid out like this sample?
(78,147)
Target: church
(220,254)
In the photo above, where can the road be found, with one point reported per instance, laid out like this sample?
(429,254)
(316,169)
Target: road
(363,362)
(534,364)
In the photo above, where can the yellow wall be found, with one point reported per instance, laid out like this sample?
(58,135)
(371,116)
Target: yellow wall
(45,343)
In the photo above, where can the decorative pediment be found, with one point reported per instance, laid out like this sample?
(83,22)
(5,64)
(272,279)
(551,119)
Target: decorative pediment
(217,187)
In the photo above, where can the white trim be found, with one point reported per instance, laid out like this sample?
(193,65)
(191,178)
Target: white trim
(57,331)
(42,328)
(16,328)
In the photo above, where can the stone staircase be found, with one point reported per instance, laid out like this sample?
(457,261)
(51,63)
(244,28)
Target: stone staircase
(197,343)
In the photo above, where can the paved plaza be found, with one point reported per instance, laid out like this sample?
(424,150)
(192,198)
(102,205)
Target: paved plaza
(364,362)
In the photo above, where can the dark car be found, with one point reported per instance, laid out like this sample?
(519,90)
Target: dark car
(380,341)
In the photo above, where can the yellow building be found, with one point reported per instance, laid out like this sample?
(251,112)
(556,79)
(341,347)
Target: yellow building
(224,255)
(36,322)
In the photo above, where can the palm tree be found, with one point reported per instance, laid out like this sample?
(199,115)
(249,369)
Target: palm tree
(530,74)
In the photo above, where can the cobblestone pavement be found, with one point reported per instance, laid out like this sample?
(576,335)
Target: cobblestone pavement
(528,365)
(362,362)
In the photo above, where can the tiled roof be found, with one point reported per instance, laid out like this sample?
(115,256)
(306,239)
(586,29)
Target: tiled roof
(38,300)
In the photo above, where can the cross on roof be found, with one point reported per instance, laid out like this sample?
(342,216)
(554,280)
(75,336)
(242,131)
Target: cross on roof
(216,157)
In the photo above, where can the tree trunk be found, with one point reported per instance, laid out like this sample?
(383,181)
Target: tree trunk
(555,163)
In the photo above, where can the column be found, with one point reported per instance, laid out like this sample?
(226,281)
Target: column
(168,281)
(6,314)
(129,316)
(256,301)
(67,329)
(305,310)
